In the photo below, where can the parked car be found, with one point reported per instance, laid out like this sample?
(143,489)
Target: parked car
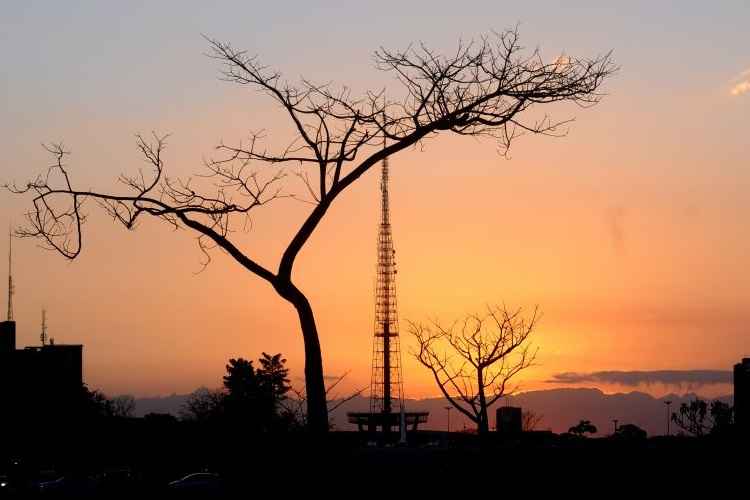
(68,487)
(199,482)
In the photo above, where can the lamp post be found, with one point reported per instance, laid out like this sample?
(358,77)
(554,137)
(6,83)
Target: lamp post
(669,415)
(449,408)
(614,421)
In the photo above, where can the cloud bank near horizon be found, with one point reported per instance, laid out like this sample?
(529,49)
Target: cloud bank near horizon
(672,378)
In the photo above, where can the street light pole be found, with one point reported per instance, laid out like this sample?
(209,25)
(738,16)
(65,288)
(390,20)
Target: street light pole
(669,415)
(615,422)
(449,408)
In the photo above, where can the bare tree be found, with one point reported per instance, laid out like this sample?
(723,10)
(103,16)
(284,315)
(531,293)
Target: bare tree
(203,405)
(484,88)
(474,360)
(530,420)
(123,406)
(698,417)
(295,407)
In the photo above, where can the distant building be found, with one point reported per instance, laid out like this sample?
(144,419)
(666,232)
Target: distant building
(37,384)
(7,337)
(742,395)
(509,420)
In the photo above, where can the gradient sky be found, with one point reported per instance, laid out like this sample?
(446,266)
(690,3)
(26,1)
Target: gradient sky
(630,233)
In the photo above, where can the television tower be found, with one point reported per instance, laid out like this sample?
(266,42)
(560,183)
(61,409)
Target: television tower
(387,410)
(386,387)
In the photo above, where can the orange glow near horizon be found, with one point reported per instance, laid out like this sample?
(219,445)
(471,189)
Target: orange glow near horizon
(629,233)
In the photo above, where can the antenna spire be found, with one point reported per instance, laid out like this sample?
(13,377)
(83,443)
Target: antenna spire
(11,290)
(43,335)
(386,389)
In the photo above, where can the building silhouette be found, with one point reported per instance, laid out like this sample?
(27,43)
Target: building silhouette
(742,396)
(40,381)
(509,420)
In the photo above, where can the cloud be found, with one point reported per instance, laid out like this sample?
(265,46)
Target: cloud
(677,378)
(740,83)
(740,88)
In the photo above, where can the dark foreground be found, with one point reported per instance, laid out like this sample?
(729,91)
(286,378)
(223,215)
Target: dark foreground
(131,460)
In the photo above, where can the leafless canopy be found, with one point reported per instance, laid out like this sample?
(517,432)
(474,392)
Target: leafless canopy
(530,420)
(296,406)
(481,89)
(473,361)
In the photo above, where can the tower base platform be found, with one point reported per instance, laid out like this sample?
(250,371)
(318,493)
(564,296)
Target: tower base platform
(385,422)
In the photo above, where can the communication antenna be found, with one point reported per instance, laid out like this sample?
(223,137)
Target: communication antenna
(43,335)
(11,290)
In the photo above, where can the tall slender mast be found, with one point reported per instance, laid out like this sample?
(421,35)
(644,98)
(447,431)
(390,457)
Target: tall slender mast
(386,384)
(10,276)
(43,335)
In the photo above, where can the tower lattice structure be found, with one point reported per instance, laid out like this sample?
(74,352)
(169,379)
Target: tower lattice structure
(386,386)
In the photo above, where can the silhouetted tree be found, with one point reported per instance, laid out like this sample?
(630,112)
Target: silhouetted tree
(123,406)
(243,401)
(273,379)
(722,418)
(630,432)
(691,417)
(698,417)
(582,428)
(92,403)
(203,405)
(240,380)
(473,361)
(485,88)
(250,397)
(530,420)
(294,408)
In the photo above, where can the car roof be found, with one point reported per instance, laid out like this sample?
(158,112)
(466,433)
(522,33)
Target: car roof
(201,474)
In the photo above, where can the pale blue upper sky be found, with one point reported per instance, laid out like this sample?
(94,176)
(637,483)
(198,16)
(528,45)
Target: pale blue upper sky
(92,50)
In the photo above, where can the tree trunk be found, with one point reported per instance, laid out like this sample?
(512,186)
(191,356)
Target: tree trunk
(317,410)
(484,424)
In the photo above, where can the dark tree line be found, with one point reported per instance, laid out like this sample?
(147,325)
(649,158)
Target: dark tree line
(698,418)
(251,397)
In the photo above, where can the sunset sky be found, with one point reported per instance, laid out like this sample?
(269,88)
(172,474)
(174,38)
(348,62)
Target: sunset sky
(630,233)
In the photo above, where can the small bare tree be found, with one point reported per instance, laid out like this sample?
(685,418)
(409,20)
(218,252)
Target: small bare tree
(530,420)
(474,360)
(123,406)
(485,88)
(295,407)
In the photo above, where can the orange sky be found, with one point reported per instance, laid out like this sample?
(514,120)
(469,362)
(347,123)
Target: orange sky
(630,233)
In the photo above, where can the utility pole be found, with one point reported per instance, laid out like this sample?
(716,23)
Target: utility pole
(11,290)
(669,415)
(449,408)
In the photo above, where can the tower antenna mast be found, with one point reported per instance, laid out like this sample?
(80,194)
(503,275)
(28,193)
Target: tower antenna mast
(386,385)
(11,290)
(43,335)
